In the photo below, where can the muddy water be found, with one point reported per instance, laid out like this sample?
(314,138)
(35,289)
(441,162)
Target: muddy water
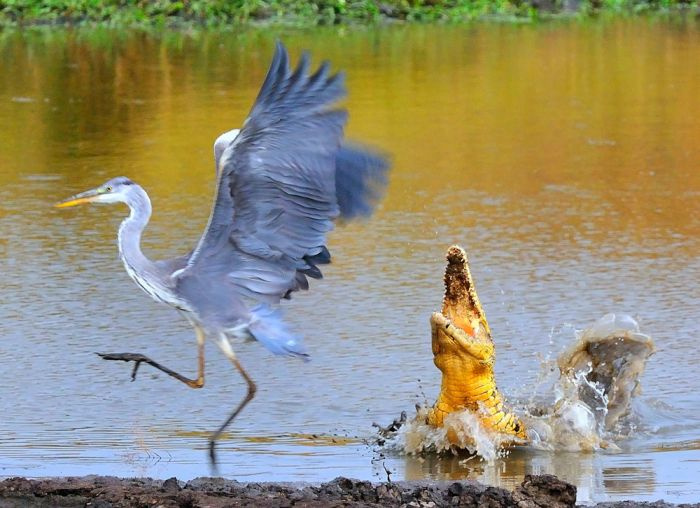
(563,157)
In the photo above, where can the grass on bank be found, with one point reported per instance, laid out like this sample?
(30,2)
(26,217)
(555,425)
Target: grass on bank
(302,12)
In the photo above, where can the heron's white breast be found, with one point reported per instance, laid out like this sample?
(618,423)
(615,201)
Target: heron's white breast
(156,291)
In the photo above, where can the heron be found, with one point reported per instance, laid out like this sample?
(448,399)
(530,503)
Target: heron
(282,180)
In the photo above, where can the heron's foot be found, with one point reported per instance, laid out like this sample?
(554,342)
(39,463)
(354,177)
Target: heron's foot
(138,359)
(463,351)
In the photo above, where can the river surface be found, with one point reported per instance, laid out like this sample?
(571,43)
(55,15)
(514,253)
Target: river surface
(563,156)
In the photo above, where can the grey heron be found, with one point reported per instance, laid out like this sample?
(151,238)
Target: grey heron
(281,182)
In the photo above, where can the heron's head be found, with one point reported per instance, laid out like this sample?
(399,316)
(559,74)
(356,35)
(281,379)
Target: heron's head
(116,190)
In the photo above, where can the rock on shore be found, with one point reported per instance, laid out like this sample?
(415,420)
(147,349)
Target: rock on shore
(103,492)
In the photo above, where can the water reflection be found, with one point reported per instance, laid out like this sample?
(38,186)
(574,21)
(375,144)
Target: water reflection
(620,480)
(594,481)
(563,156)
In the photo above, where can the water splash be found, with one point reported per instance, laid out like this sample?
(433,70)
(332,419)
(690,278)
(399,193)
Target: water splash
(461,427)
(614,353)
(586,408)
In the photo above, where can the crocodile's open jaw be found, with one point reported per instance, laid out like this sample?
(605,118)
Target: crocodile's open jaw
(463,351)
(461,304)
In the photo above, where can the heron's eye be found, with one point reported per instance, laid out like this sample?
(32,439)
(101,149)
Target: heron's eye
(108,188)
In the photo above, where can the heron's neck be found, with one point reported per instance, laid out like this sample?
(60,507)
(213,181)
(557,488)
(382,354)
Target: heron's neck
(130,230)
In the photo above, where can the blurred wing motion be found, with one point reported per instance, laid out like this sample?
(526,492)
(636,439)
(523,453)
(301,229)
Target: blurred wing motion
(360,180)
(281,181)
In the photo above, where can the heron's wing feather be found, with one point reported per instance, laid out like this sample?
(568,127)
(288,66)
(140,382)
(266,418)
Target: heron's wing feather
(360,180)
(276,189)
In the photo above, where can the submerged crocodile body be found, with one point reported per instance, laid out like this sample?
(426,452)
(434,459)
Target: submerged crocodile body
(463,350)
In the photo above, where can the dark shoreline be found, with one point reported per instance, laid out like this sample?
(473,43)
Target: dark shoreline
(104,491)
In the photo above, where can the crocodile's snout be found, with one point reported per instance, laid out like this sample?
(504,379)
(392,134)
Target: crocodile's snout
(460,303)
(456,257)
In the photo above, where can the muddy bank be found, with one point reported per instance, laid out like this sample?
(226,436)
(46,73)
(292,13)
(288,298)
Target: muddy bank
(103,492)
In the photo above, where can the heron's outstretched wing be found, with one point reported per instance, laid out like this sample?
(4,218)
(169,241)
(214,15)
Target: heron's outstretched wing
(276,189)
(360,180)
(360,175)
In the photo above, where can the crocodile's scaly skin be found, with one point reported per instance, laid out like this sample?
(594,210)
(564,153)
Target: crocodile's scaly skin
(463,350)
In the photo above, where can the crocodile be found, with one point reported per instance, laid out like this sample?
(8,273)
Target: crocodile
(464,352)
(601,369)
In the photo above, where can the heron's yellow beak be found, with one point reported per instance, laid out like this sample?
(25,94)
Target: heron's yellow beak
(79,199)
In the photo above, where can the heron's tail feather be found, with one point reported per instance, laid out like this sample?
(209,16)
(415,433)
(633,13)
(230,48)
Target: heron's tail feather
(360,179)
(268,328)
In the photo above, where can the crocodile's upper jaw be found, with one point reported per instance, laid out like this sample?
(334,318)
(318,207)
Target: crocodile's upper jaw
(461,304)
(461,342)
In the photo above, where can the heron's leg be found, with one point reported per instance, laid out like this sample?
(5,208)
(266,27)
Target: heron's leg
(138,359)
(225,346)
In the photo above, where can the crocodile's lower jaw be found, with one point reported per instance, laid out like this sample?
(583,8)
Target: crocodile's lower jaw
(463,351)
